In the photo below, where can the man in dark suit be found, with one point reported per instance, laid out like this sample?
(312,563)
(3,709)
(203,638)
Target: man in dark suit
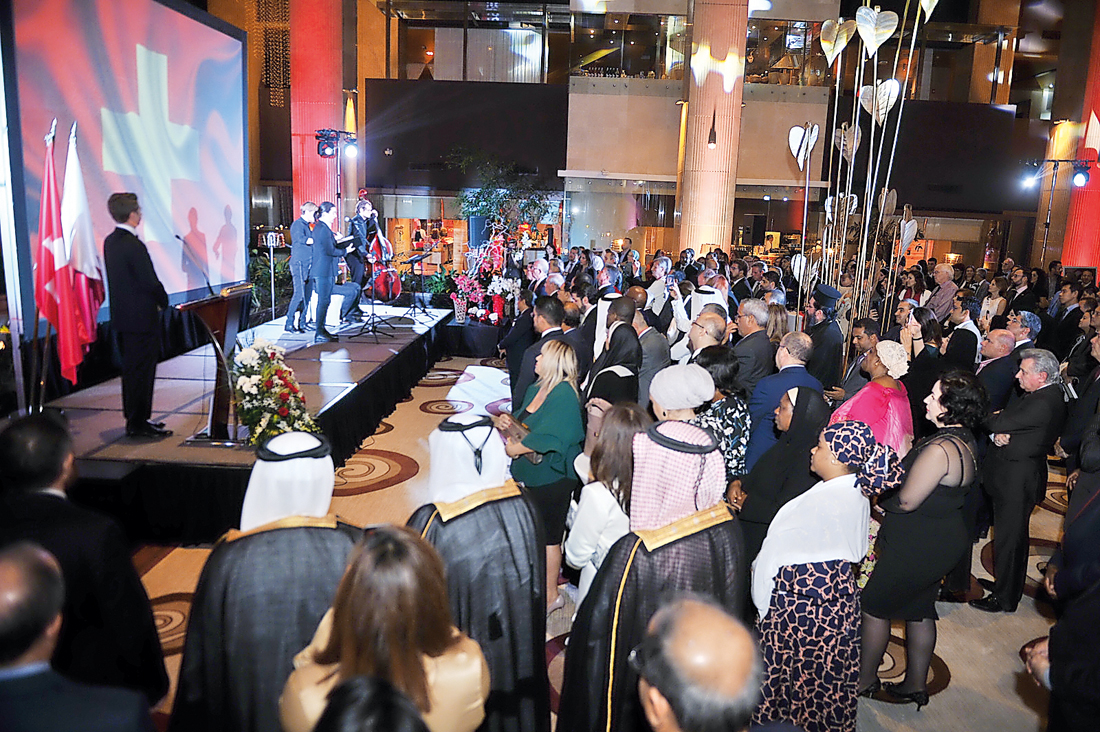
(739,287)
(864,338)
(576,337)
(754,352)
(326,258)
(137,297)
(822,327)
(301,257)
(794,350)
(585,297)
(107,635)
(363,229)
(1021,296)
(1015,471)
(1025,326)
(521,335)
(548,317)
(32,695)
(962,346)
(1066,326)
(1081,411)
(998,368)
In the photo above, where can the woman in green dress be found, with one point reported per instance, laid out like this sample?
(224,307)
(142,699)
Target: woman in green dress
(551,411)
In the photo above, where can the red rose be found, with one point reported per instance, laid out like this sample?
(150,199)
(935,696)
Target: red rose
(284,396)
(268,384)
(283,411)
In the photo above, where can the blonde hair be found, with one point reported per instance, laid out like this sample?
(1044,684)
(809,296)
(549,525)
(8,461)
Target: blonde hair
(777,322)
(559,360)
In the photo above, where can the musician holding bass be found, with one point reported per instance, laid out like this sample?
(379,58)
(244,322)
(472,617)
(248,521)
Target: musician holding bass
(369,247)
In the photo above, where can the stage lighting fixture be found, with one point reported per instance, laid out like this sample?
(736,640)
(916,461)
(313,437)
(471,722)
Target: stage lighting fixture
(1028,181)
(327,143)
(1080,174)
(351,150)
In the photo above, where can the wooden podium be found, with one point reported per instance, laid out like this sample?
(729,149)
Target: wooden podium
(220,314)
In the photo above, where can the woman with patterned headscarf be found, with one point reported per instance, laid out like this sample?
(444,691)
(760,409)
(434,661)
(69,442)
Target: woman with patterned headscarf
(804,588)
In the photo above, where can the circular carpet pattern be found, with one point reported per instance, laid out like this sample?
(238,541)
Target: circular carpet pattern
(170,614)
(372,470)
(1056,501)
(892,667)
(497,408)
(496,363)
(445,377)
(1039,551)
(383,428)
(446,406)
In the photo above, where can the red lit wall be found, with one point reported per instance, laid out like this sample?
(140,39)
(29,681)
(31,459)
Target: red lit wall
(1082,243)
(315,94)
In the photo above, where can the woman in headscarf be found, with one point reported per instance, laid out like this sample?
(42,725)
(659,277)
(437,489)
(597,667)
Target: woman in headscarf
(783,472)
(543,460)
(882,403)
(601,516)
(804,588)
(727,417)
(923,536)
(614,374)
(679,392)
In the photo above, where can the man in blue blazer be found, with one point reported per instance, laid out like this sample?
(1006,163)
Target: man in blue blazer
(794,350)
(32,695)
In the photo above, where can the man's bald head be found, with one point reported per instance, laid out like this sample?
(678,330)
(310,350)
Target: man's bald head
(698,666)
(31,595)
(998,343)
(713,324)
(638,295)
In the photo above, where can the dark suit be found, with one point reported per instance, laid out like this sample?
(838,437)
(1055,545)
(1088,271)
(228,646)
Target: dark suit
(999,379)
(1014,476)
(520,336)
(1081,411)
(962,349)
(655,356)
(137,297)
(755,360)
(824,362)
(301,258)
(527,374)
(48,702)
(740,290)
(583,350)
(854,378)
(1064,332)
(326,260)
(588,327)
(107,634)
(765,398)
(1026,300)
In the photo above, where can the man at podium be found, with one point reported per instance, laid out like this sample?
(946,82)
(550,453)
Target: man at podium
(137,297)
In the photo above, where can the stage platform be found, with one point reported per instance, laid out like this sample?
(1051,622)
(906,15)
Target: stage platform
(171,490)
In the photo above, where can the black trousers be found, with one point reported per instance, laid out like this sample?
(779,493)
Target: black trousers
(1012,487)
(323,287)
(356,268)
(140,352)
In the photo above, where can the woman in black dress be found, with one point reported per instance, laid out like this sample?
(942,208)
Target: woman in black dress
(923,536)
(783,472)
(922,339)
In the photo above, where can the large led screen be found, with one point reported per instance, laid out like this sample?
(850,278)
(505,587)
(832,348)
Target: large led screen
(158,99)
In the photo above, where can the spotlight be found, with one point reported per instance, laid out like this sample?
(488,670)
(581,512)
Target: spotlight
(785,199)
(767,198)
(1029,181)
(351,150)
(327,143)
(1081,174)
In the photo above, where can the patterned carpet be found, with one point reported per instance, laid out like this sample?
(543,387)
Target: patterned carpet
(976,675)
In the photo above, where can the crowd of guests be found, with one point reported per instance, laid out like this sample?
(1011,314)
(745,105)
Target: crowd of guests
(700,467)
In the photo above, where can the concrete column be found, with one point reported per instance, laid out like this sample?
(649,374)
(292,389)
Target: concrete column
(709,178)
(316,94)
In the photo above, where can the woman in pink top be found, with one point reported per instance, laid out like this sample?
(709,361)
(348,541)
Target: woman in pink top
(883,404)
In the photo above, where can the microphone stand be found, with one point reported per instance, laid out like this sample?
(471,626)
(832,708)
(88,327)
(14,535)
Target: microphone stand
(186,249)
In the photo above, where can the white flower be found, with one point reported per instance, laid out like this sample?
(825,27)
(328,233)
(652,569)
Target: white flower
(248,357)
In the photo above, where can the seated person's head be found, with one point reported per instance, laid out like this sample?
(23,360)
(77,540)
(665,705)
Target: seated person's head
(364,704)
(698,669)
(390,610)
(36,452)
(31,595)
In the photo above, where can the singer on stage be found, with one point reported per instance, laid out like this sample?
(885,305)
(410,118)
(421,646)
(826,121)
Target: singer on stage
(137,297)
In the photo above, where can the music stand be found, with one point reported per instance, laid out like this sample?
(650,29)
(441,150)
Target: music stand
(416,304)
(372,322)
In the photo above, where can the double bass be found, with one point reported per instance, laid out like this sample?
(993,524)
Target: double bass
(383,282)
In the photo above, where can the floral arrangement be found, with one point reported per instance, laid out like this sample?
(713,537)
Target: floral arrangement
(505,286)
(269,400)
(469,289)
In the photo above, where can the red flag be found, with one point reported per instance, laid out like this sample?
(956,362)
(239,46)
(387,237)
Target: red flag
(84,259)
(53,283)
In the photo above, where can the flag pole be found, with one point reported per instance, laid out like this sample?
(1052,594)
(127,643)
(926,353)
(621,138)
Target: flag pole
(45,367)
(34,364)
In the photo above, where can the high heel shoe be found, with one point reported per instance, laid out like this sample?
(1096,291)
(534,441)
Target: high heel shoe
(871,690)
(555,605)
(920,698)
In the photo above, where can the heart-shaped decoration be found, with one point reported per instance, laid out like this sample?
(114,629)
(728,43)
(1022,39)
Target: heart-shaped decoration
(928,6)
(833,204)
(847,140)
(879,102)
(835,35)
(888,202)
(802,141)
(908,234)
(875,27)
